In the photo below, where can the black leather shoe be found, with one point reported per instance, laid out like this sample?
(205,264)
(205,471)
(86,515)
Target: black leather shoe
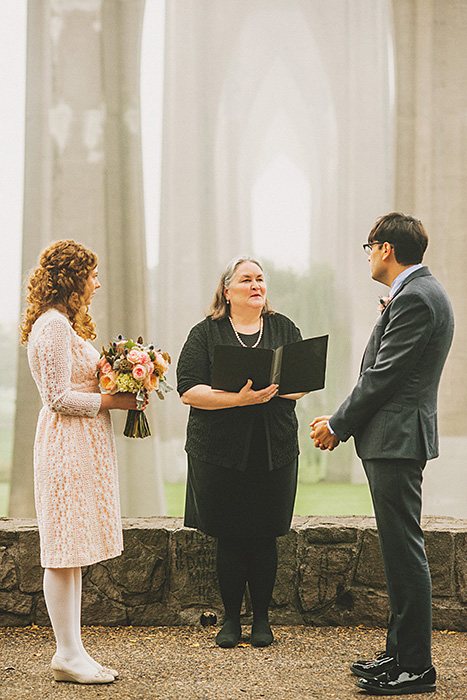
(370,669)
(396,681)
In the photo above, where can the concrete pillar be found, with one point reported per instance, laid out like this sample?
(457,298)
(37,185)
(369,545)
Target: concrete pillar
(83,180)
(431,181)
(234,68)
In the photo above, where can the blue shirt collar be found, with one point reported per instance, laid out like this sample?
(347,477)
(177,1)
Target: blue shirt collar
(401,277)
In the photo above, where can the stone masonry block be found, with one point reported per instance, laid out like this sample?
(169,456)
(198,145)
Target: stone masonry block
(286,581)
(329,530)
(440,552)
(30,571)
(97,608)
(324,572)
(193,576)
(370,607)
(15,602)
(370,571)
(8,578)
(139,576)
(460,558)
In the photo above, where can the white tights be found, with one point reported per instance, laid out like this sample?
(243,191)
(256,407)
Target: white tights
(62,593)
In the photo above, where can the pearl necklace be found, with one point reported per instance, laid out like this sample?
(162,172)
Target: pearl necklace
(241,341)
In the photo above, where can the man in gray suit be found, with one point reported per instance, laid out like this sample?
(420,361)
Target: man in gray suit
(392,415)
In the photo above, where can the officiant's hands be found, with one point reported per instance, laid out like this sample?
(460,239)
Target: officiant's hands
(321,435)
(248,397)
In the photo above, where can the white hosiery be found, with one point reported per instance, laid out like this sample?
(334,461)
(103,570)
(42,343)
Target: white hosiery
(60,598)
(78,585)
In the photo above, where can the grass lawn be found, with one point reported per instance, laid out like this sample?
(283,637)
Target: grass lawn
(4,491)
(312,499)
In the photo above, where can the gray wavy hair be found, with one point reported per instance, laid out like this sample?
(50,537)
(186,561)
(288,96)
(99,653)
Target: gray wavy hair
(219,308)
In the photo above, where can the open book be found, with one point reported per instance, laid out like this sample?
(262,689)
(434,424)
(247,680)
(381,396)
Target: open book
(296,367)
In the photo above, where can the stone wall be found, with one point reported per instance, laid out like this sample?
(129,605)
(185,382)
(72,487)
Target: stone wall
(330,573)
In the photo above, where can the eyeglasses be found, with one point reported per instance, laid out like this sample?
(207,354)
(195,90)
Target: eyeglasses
(368,246)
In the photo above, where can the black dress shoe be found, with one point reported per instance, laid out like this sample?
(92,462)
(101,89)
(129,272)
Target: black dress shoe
(370,669)
(396,681)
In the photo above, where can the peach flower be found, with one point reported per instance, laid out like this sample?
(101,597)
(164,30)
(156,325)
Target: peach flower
(161,362)
(151,382)
(108,382)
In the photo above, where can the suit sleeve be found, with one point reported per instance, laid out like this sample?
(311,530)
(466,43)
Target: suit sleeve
(406,335)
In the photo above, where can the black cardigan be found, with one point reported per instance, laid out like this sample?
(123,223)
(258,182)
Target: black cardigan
(222,437)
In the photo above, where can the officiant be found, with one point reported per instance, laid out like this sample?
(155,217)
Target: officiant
(242,448)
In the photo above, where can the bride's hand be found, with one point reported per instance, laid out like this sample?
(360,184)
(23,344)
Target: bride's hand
(123,401)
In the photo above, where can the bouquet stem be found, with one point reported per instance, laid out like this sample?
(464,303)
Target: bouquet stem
(136,425)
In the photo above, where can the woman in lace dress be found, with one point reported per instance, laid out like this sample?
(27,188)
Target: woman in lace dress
(75,465)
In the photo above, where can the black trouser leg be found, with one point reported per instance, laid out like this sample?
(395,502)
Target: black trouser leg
(396,492)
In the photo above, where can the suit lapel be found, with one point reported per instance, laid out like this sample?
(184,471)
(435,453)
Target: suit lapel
(421,272)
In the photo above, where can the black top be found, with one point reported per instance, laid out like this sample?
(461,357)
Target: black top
(223,436)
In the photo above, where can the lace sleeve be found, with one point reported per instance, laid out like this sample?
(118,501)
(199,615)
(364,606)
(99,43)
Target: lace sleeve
(54,357)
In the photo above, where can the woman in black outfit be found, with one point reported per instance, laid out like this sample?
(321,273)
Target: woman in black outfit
(242,449)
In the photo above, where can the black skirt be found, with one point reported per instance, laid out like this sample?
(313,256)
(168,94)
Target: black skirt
(236,504)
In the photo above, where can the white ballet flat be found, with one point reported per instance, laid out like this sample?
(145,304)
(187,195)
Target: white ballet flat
(110,671)
(62,672)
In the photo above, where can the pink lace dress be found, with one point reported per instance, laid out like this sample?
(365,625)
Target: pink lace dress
(75,463)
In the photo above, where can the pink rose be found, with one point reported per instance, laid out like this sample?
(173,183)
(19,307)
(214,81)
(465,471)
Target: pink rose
(106,368)
(144,358)
(134,356)
(140,372)
(101,362)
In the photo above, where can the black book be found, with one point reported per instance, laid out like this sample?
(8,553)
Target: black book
(296,367)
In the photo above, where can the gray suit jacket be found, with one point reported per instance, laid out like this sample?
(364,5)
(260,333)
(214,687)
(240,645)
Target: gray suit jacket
(392,411)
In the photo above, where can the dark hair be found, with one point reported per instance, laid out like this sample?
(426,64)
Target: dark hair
(219,308)
(406,234)
(60,278)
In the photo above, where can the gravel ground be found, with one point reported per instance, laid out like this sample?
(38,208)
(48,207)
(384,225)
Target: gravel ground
(183,663)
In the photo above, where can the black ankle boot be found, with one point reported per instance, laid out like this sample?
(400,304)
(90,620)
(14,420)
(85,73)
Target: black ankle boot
(229,635)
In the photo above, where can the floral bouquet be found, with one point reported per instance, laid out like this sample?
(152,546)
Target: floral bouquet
(132,367)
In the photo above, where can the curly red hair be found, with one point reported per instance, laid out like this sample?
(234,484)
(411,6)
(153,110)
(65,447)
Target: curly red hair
(60,281)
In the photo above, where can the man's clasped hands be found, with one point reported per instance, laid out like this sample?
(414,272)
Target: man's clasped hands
(321,435)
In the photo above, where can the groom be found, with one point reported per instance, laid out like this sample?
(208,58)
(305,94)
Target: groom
(392,414)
